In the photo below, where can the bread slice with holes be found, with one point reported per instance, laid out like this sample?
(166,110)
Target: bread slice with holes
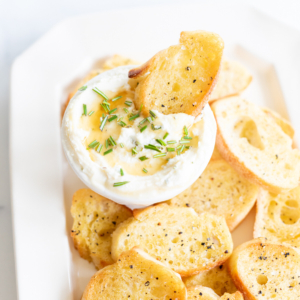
(233,79)
(95,218)
(180,78)
(255,145)
(205,293)
(261,270)
(220,190)
(278,217)
(217,279)
(135,276)
(177,236)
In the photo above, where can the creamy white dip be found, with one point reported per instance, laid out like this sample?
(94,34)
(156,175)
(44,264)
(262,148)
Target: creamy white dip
(166,176)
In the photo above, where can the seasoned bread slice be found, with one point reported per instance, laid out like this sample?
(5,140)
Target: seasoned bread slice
(218,279)
(201,292)
(95,218)
(233,79)
(180,78)
(216,154)
(262,270)
(255,145)
(177,236)
(205,293)
(220,190)
(278,217)
(135,276)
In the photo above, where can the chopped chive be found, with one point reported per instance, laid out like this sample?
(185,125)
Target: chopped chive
(121,145)
(126,110)
(100,93)
(143,128)
(165,136)
(112,118)
(161,142)
(103,123)
(106,104)
(109,142)
(84,109)
(104,107)
(112,141)
(151,147)
(152,114)
(149,119)
(93,144)
(142,158)
(106,144)
(180,149)
(91,112)
(185,130)
(187,137)
(123,124)
(112,111)
(99,148)
(171,149)
(143,121)
(155,127)
(145,170)
(121,172)
(184,142)
(171,142)
(134,151)
(128,103)
(187,147)
(116,98)
(120,183)
(84,87)
(108,151)
(134,117)
(141,108)
(159,155)
(103,115)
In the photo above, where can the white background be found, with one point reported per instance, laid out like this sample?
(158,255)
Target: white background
(22,22)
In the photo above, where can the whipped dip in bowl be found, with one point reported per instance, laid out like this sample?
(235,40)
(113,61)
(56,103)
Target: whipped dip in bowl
(127,157)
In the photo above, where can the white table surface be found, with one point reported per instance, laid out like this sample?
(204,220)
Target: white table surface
(22,22)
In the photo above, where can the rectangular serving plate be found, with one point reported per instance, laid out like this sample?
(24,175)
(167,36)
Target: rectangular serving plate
(47,265)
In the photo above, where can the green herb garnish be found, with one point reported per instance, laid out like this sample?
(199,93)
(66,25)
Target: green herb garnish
(145,171)
(126,110)
(152,114)
(141,108)
(155,127)
(185,130)
(100,93)
(187,137)
(112,118)
(151,147)
(108,151)
(116,98)
(103,123)
(161,142)
(84,109)
(121,172)
(180,149)
(121,145)
(120,183)
(142,158)
(123,124)
(159,155)
(82,88)
(165,136)
(143,128)
(128,103)
(171,149)
(99,148)
(143,121)
(93,144)
(184,142)
(134,151)
(112,111)
(112,141)
(91,112)
(105,107)
(134,117)
(171,142)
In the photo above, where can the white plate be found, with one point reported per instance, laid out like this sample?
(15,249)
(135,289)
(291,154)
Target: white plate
(42,183)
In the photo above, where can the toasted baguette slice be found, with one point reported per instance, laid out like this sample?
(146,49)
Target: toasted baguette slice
(176,236)
(278,217)
(233,79)
(261,270)
(95,218)
(110,63)
(205,293)
(218,279)
(255,145)
(220,190)
(201,292)
(216,155)
(135,276)
(180,78)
